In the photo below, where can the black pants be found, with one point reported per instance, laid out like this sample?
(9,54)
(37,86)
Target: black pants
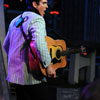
(41,91)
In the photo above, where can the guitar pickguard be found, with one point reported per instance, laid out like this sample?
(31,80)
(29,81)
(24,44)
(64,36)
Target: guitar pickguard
(55,53)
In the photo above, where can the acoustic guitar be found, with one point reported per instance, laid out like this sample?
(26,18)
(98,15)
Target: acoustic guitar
(58,52)
(56,47)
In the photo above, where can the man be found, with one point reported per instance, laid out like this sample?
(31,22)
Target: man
(14,45)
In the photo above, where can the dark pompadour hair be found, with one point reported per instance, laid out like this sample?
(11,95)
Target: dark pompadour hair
(29,2)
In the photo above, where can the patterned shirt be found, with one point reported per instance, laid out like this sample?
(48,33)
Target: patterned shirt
(14,42)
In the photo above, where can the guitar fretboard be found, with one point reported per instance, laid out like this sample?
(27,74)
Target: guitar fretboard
(71,51)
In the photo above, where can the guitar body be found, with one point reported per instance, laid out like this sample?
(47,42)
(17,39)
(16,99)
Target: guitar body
(55,48)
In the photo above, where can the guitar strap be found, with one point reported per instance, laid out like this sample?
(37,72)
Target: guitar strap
(19,24)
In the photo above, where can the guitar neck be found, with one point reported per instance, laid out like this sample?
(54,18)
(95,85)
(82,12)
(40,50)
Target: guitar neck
(71,51)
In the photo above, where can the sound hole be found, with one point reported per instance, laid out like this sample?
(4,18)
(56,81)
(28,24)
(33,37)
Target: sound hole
(58,54)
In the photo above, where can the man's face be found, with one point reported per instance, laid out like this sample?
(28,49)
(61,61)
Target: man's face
(42,7)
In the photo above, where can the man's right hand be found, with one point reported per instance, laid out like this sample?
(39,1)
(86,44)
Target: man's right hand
(50,71)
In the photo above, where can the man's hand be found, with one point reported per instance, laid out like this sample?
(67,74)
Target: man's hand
(50,71)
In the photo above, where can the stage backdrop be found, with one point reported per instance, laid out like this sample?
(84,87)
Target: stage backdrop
(80,20)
